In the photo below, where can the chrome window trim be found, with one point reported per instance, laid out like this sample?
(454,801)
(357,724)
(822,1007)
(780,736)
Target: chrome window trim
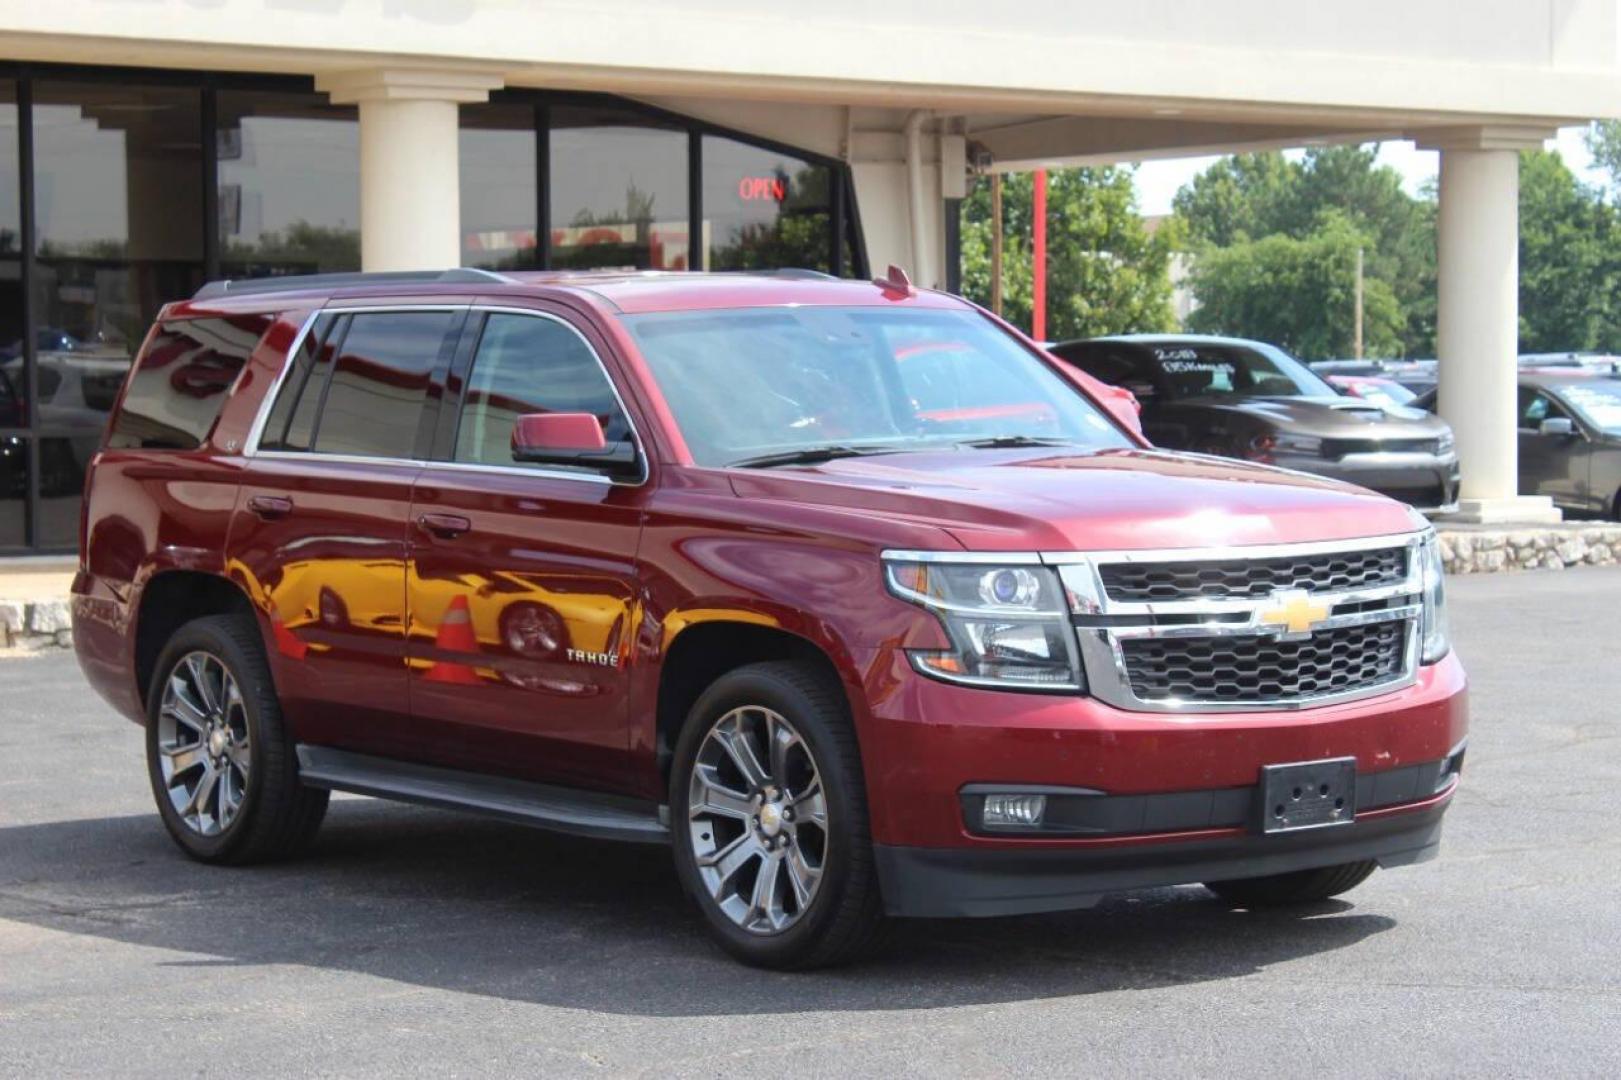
(339,459)
(1102,653)
(256,432)
(535,472)
(250,445)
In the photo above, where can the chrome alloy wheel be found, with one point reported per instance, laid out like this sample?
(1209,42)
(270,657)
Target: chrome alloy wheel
(758,820)
(203,746)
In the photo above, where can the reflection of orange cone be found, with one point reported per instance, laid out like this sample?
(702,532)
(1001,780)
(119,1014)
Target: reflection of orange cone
(455,636)
(287,642)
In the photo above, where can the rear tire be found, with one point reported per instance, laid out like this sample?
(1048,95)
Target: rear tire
(223,769)
(1300,887)
(798,814)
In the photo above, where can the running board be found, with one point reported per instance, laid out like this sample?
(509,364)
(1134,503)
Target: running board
(561,809)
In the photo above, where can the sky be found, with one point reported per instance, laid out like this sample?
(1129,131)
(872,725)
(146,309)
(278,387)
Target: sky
(1159,181)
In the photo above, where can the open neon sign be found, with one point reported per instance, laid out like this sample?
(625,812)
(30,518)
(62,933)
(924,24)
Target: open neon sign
(762,188)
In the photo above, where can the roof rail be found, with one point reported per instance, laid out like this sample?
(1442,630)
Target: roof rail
(795,272)
(213,290)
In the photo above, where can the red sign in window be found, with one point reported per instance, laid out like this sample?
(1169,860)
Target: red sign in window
(761,188)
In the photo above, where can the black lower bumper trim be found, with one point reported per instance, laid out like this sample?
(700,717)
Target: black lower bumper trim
(954,882)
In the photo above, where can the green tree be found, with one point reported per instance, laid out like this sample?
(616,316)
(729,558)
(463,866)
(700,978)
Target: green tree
(1252,196)
(1568,264)
(1106,273)
(1296,292)
(1604,143)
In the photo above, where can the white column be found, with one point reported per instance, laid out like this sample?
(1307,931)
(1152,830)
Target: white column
(1478,311)
(410,191)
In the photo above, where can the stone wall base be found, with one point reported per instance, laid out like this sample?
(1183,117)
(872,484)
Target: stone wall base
(35,624)
(1488,551)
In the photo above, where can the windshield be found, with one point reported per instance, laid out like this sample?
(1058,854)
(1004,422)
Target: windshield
(1598,402)
(1192,371)
(762,382)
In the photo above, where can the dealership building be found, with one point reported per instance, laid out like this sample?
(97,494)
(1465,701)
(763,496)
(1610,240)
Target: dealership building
(147,146)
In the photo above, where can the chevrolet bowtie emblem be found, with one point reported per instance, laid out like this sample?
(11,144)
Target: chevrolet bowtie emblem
(1293,612)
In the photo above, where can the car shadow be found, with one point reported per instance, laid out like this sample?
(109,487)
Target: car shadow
(448,901)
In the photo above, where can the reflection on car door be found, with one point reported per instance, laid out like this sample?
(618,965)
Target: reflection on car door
(1551,465)
(523,586)
(319,535)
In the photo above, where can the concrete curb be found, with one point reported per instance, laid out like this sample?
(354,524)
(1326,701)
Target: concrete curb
(1489,551)
(35,624)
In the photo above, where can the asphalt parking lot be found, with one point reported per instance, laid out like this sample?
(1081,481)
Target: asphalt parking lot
(419,942)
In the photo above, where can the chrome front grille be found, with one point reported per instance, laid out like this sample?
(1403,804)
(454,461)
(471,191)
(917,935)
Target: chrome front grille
(1257,628)
(1264,670)
(1219,579)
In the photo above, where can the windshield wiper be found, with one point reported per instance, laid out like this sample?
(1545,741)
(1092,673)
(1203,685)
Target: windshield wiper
(810,455)
(1006,442)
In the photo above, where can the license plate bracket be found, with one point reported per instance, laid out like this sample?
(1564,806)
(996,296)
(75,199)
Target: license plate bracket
(1308,795)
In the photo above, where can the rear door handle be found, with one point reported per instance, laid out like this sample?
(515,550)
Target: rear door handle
(270,507)
(445,526)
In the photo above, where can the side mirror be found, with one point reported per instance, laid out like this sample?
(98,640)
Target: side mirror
(570,440)
(1557,425)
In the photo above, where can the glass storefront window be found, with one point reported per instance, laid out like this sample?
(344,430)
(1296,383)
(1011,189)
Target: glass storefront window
(62,463)
(618,190)
(500,184)
(13,376)
(764,209)
(289,184)
(13,491)
(118,216)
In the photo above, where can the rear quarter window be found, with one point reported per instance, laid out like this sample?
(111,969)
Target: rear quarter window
(180,382)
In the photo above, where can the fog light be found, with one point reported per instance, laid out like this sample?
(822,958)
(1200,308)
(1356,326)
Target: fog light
(1013,811)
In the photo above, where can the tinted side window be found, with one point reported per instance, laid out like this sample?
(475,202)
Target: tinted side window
(527,364)
(1538,408)
(379,383)
(180,382)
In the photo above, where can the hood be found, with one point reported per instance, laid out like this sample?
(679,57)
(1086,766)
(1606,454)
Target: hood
(1046,500)
(1329,418)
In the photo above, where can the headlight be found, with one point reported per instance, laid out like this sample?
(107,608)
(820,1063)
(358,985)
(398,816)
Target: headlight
(1435,643)
(1008,623)
(1445,444)
(1309,445)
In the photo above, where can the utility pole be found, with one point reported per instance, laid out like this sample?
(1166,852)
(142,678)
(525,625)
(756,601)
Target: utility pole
(1038,290)
(1359,303)
(996,243)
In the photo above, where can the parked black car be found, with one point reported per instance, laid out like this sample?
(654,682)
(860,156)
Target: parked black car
(1570,438)
(1251,400)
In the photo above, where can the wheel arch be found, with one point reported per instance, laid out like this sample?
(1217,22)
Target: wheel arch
(704,651)
(169,600)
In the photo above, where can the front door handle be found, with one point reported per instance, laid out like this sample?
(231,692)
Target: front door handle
(270,507)
(444,526)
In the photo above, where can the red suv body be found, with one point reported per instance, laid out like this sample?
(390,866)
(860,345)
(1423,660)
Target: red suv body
(856,582)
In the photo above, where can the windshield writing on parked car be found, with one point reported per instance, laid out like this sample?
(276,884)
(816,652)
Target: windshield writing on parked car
(1599,404)
(1226,370)
(744,384)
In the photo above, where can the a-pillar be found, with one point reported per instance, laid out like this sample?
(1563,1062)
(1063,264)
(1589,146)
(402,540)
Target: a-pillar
(410,192)
(1478,313)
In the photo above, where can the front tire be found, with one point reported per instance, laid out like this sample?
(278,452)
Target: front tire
(222,766)
(769,815)
(1300,887)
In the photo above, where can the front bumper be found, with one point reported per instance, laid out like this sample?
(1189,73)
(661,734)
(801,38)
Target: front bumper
(1423,481)
(946,883)
(927,744)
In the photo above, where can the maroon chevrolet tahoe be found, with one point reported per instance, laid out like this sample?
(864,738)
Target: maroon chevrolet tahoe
(844,591)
